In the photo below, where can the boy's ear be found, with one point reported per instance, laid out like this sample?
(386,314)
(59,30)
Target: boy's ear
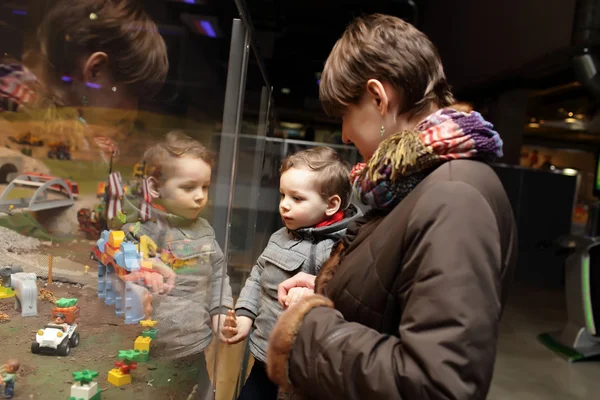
(333,205)
(153,187)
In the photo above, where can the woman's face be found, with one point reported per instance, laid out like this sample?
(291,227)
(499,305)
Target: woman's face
(362,122)
(361,125)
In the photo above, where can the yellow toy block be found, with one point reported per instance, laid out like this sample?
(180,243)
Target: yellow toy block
(142,343)
(148,323)
(117,378)
(115,238)
(6,292)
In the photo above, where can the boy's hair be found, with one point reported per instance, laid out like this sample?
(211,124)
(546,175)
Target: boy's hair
(176,145)
(390,50)
(333,173)
(120,28)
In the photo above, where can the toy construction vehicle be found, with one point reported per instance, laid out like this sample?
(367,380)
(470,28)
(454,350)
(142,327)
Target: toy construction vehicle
(60,335)
(28,139)
(59,151)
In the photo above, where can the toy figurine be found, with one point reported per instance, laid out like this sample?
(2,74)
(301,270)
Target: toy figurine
(60,320)
(8,374)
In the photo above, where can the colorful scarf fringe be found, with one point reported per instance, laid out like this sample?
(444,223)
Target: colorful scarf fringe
(404,159)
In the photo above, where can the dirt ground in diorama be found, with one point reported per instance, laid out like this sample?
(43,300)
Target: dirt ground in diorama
(102,334)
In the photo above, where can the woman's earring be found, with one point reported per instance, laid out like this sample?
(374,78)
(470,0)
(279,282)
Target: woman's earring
(84,100)
(382,130)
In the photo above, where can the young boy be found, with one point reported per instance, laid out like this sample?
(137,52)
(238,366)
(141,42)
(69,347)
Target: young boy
(188,255)
(315,195)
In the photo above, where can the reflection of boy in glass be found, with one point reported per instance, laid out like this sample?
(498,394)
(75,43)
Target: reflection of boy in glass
(189,261)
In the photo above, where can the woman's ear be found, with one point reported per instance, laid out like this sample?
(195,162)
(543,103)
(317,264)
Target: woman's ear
(333,205)
(153,187)
(378,95)
(96,72)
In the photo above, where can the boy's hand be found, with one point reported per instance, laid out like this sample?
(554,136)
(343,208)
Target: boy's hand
(230,326)
(244,325)
(160,280)
(295,294)
(224,330)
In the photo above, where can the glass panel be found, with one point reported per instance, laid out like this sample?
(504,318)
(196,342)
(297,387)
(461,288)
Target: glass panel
(254,217)
(119,244)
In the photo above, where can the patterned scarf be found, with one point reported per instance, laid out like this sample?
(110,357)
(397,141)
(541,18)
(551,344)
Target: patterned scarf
(404,159)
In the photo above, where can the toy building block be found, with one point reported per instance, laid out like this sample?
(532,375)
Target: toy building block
(6,292)
(148,323)
(142,343)
(150,333)
(26,292)
(85,388)
(119,257)
(133,355)
(118,378)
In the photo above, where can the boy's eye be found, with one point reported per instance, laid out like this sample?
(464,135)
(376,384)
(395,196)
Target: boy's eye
(296,198)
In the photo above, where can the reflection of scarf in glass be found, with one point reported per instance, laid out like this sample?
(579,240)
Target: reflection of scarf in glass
(404,159)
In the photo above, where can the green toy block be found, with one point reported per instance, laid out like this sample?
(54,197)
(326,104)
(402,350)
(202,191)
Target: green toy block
(151,333)
(133,355)
(66,303)
(85,376)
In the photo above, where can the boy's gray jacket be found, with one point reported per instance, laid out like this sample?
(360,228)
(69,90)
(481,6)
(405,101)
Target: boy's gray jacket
(286,254)
(183,315)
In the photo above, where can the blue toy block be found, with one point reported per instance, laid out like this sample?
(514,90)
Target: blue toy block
(127,297)
(134,309)
(128,257)
(101,280)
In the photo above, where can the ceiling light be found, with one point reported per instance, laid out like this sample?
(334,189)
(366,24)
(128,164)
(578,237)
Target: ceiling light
(285,90)
(569,171)
(570,120)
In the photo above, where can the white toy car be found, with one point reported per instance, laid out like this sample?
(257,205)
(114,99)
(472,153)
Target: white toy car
(54,340)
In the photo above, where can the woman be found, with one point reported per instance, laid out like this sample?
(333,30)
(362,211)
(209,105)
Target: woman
(409,304)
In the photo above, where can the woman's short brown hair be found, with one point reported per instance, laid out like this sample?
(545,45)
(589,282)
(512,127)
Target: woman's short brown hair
(333,173)
(176,145)
(120,28)
(390,50)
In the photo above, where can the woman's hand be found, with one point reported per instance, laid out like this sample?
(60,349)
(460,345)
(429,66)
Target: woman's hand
(300,280)
(295,294)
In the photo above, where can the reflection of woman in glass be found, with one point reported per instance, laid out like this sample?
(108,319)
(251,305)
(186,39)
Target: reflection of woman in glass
(98,57)
(414,292)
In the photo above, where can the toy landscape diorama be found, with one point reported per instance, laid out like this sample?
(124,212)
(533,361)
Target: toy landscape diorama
(71,327)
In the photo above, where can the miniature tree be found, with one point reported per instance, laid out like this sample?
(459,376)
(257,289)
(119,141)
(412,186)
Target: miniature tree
(84,377)
(85,388)
(66,303)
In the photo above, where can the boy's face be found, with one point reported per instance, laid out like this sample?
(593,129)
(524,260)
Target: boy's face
(59,320)
(184,188)
(301,204)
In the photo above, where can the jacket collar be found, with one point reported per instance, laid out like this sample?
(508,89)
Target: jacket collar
(334,231)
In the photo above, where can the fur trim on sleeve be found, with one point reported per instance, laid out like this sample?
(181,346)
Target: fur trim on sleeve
(283,337)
